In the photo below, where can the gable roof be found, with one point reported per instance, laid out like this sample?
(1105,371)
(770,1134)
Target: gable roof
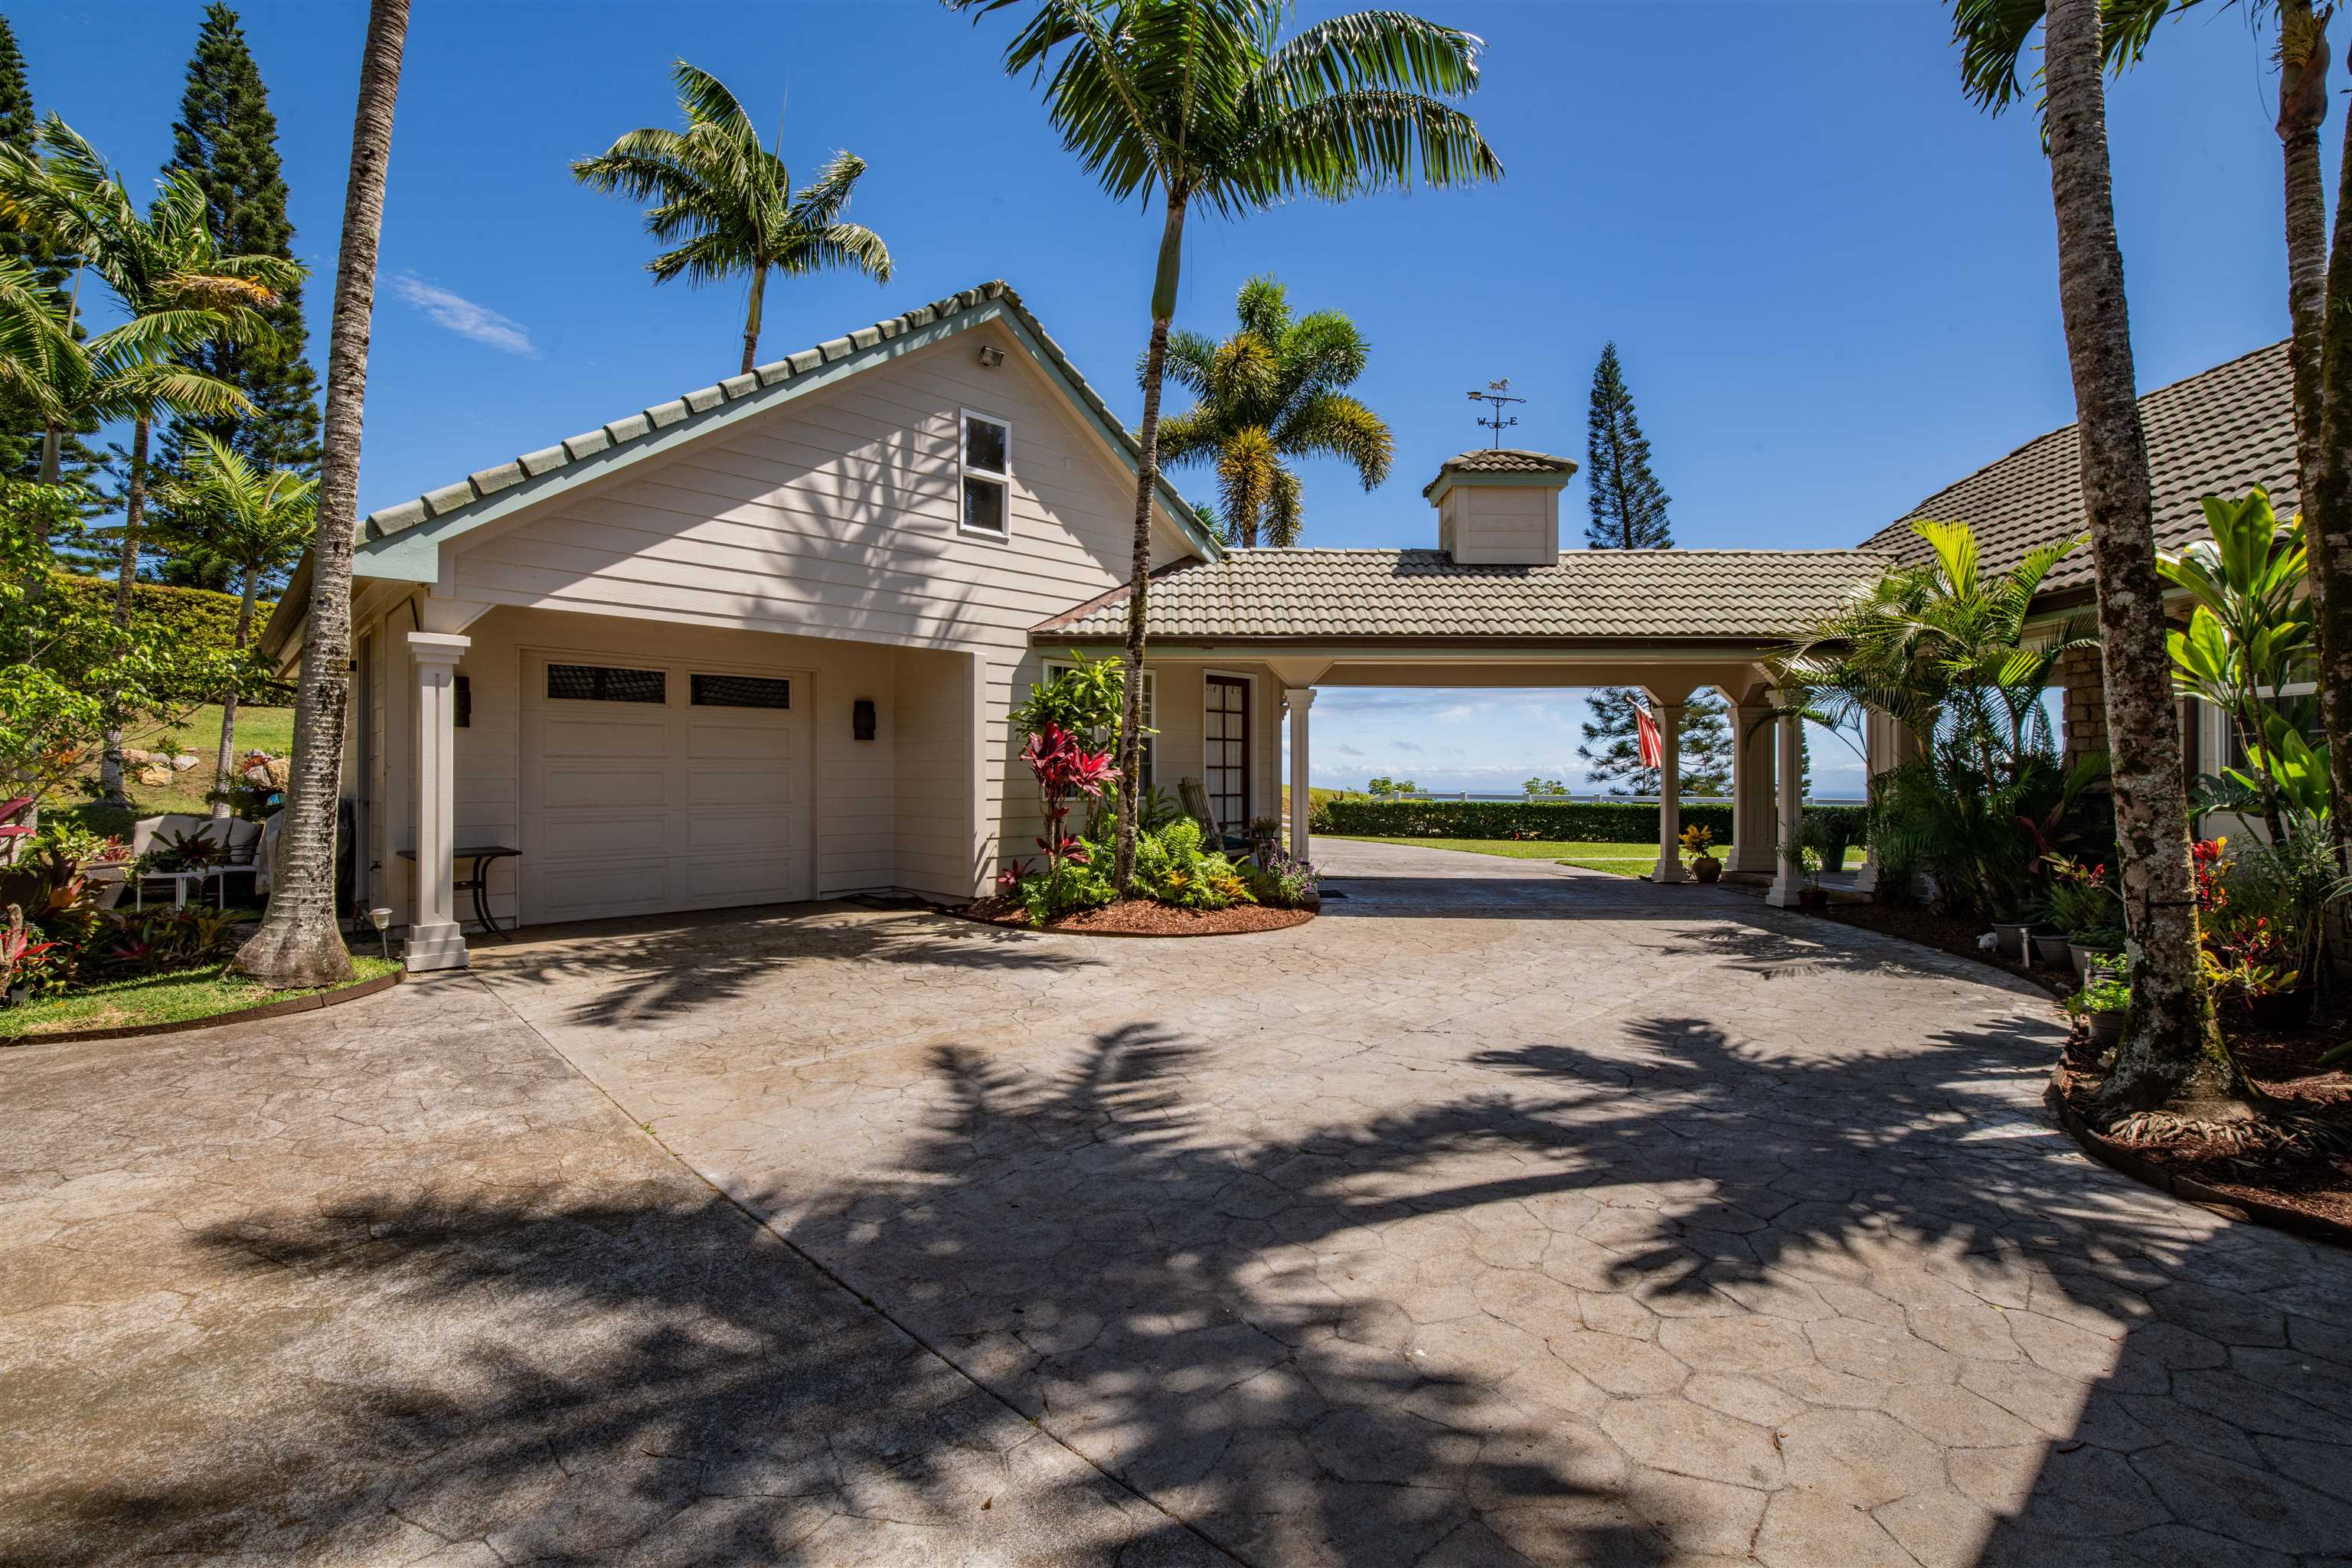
(2220,432)
(1589,596)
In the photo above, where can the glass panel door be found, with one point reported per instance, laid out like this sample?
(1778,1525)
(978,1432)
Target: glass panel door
(1226,753)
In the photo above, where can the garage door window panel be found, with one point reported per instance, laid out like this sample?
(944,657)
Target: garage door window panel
(606,683)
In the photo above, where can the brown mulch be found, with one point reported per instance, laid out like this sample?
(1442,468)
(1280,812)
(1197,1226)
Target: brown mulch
(1142,917)
(2303,1188)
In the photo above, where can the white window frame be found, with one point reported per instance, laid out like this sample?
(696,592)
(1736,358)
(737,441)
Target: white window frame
(1057,667)
(1000,477)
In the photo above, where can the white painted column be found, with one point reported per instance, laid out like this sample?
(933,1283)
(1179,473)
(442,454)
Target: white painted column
(1300,699)
(435,938)
(1753,826)
(1787,879)
(1669,868)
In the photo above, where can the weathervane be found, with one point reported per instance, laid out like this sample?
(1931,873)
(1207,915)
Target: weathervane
(1498,394)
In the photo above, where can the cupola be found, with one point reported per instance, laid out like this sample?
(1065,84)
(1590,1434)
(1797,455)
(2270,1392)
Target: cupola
(1500,505)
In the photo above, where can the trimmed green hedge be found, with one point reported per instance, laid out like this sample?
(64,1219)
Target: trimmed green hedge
(1591,822)
(198,615)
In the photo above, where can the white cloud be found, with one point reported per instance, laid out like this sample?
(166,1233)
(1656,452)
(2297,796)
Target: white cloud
(463,317)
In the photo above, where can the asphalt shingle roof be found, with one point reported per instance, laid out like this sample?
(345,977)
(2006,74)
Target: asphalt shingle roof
(1354,596)
(637,426)
(2219,433)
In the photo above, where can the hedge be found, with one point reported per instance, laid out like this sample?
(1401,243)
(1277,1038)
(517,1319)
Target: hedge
(198,615)
(1583,821)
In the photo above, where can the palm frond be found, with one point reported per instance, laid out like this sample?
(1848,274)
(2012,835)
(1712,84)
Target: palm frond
(1351,144)
(1387,49)
(1335,424)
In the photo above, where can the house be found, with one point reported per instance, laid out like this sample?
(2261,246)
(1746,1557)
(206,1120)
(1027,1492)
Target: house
(758,643)
(2221,432)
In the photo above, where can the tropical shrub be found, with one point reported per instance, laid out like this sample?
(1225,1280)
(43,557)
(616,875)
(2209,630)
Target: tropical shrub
(1171,868)
(2080,901)
(1280,881)
(2105,990)
(1066,887)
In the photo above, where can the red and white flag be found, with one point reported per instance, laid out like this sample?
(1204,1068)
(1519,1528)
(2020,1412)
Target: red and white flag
(1653,744)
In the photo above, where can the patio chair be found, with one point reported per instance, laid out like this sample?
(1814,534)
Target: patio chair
(1195,796)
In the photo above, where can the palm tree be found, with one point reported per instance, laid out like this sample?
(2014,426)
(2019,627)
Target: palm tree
(71,384)
(1202,100)
(1271,391)
(172,280)
(732,200)
(228,515)
(299,943)
(2171,1055)
(1994,34)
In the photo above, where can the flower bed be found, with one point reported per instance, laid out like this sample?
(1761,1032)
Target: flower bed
(1144,917)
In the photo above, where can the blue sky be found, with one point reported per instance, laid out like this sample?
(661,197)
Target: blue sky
(1832,279)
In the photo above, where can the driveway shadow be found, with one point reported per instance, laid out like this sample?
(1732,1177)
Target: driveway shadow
(635,972)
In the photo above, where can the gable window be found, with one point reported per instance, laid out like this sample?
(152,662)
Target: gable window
(1148,743)
(987,460)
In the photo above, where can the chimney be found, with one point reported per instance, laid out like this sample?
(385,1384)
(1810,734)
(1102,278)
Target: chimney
(1500,505)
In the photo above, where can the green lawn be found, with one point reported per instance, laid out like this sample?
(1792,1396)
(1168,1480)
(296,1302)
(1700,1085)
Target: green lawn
(1626,859)
(167,998)
(268,730)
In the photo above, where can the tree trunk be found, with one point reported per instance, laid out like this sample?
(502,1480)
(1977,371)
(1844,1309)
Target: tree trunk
(751,318)
(126,580)
(2328,475)
(225,762)
(2172,1053)
(1147,481)
(300,944)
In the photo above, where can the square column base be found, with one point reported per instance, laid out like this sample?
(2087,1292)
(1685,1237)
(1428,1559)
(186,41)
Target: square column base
(1669,870)
(1784,892)
(441,945)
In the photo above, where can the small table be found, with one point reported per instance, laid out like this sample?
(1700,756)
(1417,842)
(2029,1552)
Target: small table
(479,882)
(179,880)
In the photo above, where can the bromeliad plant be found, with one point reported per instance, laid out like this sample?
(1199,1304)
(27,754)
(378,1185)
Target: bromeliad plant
(1066,771)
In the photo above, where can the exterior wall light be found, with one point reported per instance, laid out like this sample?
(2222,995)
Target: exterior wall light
(861,719)
(991,356)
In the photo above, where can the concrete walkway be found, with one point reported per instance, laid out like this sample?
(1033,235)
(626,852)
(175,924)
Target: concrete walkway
(1508,1214)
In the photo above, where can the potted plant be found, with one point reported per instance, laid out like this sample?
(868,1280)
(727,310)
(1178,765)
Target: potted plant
(2104,1002)
(1804,858)
(1697,841)
(2084,909)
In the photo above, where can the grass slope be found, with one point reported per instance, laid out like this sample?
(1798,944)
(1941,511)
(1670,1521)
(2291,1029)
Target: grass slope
(269,730)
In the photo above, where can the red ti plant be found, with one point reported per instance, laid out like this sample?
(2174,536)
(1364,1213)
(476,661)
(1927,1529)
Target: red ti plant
(1065,770)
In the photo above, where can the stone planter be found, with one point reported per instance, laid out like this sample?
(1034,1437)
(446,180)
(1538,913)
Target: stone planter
(2083,956)
(1707,868)
(2011,939)
(2051,950)
(2107,1028)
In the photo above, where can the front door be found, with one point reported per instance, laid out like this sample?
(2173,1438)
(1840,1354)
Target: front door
(1226,753)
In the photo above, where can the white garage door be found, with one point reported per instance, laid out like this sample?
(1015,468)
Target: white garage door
(649,786)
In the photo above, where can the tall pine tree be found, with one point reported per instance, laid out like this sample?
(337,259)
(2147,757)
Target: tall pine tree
(227,138)
(1629,513)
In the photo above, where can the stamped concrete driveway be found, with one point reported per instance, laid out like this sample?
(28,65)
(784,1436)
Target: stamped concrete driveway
(1508,1214)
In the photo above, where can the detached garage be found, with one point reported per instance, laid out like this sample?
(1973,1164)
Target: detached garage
(648,788)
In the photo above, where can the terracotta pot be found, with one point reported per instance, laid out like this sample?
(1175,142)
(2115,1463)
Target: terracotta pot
(1707,868)
(1812,898)
(2051,950)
